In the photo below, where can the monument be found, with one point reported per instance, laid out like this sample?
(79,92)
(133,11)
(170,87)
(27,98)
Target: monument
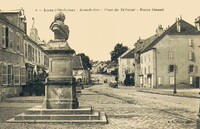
(60,103)
(60,89)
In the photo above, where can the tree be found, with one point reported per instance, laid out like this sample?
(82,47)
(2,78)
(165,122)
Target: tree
(118,51)
(85,60)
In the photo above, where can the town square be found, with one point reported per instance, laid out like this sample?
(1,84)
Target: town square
(99,65)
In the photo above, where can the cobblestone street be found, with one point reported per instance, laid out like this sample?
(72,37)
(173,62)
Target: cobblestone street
(125,107)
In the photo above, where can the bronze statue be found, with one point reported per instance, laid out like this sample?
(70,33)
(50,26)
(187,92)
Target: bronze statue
(61,31)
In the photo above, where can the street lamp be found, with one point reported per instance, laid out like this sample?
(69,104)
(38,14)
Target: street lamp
(175,68)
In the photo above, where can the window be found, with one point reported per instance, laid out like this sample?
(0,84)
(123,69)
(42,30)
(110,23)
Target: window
(149,69)
(7,37)
(191,80)
(191,56)
(141,80)
(171,68)
(26,51)
(141,70)
(5,75)
(29,53)
(36,55)
(159,80)
(191,42)
(16,71)
(191,69)
(23,75)
(10,74)
(171,55)
(171,80)
(128,62)
(17,42)
(171,41)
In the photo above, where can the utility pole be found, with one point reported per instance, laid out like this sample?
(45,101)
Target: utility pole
(175,68)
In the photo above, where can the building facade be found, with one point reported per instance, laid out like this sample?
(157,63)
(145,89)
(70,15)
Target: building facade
(172,57)
(81,74)
(12,66)
(126,66)
(21,58)
(98,67)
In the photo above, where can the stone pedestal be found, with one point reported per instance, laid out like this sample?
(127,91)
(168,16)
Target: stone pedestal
(60,91)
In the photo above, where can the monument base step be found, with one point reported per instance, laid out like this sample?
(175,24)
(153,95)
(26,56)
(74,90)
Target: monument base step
(38,114)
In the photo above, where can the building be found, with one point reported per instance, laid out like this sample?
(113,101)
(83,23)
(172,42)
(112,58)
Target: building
(172,56)
(98,66)
(12,66)
(112,68)
(21,57)
(81,74)
(126,66)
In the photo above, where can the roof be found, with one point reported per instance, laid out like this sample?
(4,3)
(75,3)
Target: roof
(127,51)
(186,29)
(4,18)
(111,64)
(77,62)
(130,54)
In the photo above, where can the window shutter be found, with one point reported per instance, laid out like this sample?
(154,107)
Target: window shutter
(3,35)
(190,42)
(176,67)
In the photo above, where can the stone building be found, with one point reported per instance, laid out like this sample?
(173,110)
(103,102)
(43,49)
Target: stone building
(79,72)
(21,58)
(126,65)
(98,66)
(170,56)
(12,66)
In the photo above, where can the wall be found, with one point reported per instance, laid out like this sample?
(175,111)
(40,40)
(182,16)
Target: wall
(147,68)
(178,44)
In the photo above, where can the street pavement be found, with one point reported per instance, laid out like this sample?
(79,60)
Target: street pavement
(126,108)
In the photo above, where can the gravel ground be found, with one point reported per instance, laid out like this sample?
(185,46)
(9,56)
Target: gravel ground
(141,111)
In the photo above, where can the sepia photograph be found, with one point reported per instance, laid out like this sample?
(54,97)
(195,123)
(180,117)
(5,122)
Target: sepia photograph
(92,64)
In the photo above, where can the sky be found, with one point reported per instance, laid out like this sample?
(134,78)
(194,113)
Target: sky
(97,31)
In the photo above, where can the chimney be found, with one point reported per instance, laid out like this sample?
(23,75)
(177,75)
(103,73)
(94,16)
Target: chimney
(178,25)
(197,23)
(159,30)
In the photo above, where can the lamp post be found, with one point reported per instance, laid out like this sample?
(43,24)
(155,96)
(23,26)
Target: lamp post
(175,68)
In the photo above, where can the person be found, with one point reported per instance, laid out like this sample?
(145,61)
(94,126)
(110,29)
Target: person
(61,31)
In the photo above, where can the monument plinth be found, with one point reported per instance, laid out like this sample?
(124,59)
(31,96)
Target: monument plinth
(60,103)
(60,90)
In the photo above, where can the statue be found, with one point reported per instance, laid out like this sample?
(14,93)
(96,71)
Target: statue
(61,31)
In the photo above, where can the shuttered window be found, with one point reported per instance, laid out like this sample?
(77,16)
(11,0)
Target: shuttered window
(16,71)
